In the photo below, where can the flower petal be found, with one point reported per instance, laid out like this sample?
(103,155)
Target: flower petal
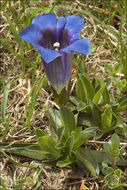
(58,71)
(60,26)
(46,22)
(48,55)
(32,35)
(80,46)
(75,37)
(74,25)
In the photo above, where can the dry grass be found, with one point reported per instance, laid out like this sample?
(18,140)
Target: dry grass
(10,69)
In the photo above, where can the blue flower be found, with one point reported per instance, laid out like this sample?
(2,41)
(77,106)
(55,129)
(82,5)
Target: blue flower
(56,39)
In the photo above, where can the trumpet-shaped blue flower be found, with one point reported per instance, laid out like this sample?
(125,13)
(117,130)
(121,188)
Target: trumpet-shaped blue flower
(56,39)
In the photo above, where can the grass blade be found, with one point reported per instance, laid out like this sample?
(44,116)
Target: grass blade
(29,110)
(4,102)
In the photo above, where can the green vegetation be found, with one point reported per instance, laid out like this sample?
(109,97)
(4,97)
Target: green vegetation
(85,126)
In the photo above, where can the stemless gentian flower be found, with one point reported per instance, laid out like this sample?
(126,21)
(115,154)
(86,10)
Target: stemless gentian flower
(56,39)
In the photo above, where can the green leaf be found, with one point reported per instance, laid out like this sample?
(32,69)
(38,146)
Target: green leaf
(74,100)
(98,94)
(84,135)
(60,133)
(55,121)
(69,145)
(85,119)
(106,96)
(68,120)
(107,148)
(71,106)
(122,106)
(26,150)
(4,101)
(35,152)
(108,69)
(2,185)
(82,106)
(88,86)
(92,49)
(115,143)
(76,133)
(96,113)
(40,133)
(84,89)
(47,145)
(65,162)
(106,119)
(106,169)
(59,145)
(81,156)
(81,91)
(117,68)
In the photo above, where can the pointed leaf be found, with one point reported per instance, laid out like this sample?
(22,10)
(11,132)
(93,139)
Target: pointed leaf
(40,133)
(117,68)
(115,143)
(84,89)
(85,135)
(69,145)
(106,119)
(82,157)
(55,121)
(65,162)
(35,152)
(88,86)
(59,146)
(48,144)
(85,119)
(83,107)
(31,151)
(96,113)
(74,100)
(68,120)
(60,133)
(76,133)
(122,106)
(81,91)
(107,148)
(108,69)
(106,96)
(98,94)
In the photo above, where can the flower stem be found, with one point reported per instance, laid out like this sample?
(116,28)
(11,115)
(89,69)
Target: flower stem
(62,98)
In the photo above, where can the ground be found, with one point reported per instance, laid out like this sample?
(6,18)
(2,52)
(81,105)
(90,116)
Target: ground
(46,177)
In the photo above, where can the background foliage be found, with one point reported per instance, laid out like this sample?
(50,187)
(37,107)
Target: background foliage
(77,134)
